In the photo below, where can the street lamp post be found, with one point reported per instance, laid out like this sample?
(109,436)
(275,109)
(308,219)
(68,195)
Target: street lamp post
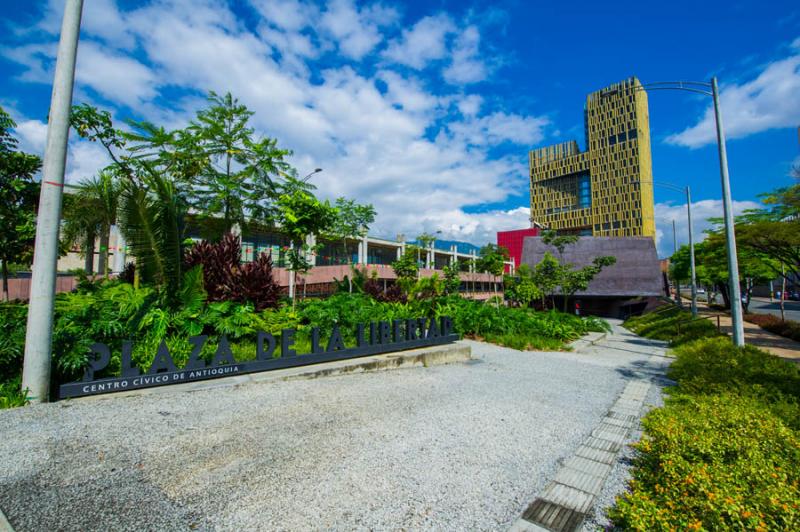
(702,87)
(306,178)
(39,329)
(688,193)
(730,237)
(677,281)
(691,251)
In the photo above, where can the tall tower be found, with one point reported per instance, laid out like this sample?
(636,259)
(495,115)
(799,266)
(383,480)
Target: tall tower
(606,190)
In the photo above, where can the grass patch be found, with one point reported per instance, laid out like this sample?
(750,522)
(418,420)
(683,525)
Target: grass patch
(673,325)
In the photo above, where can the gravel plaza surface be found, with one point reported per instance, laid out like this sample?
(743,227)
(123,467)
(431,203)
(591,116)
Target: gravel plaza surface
(457,447)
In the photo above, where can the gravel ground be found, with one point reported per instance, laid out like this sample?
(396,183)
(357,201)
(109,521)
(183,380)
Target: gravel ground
(456,447)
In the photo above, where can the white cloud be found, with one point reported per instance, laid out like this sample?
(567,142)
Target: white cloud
(500,127)
(357,31)
(770,101)
(467,65)
(291,15)
(702,211)
(116,77)
(470,105)
(423,43)
(421,156)
(32,136)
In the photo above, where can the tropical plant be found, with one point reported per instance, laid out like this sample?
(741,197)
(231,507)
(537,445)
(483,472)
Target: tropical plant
(452,279)
(492,260)
(226,279)
(91,211)
(18,198)
(407,266)
(351,220)
(299,215)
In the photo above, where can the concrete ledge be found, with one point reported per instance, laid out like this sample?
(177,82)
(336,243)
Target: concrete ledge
(587,340)
(425,356)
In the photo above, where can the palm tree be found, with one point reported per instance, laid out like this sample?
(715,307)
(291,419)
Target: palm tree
(90,212)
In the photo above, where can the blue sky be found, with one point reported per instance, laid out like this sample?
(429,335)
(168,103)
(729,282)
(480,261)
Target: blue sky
(428,109)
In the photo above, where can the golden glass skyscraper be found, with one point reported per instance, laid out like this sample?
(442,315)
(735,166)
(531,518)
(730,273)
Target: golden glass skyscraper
(606,190)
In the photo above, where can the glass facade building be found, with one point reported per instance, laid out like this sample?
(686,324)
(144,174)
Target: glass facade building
(607,189)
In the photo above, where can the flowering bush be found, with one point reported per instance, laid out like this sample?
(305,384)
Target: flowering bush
(714,462)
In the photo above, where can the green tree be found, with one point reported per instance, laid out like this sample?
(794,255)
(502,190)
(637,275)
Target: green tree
(425,241)
(352,220)
(301,214)
(151,207)
(492,260)
(754,266)
(546,277)
(520,288)
(92,211)
(18,198)
(570,278)
(407,266)
(452,279)
(237,181)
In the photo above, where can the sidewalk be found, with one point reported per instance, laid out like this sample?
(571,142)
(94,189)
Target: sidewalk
(755,335)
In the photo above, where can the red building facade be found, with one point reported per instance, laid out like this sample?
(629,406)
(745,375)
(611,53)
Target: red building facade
(513,241)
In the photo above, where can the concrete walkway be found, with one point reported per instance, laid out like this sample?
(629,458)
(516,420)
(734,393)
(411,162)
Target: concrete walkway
(463,446)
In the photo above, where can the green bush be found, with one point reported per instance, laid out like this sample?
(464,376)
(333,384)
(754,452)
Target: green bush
(786,328)
(724,453)
(715,365)
(12,339)
(673,325)
(716,462)
(11,394)
(112,312)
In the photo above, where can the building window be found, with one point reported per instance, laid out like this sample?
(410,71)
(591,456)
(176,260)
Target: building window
(584,192)
(632,134)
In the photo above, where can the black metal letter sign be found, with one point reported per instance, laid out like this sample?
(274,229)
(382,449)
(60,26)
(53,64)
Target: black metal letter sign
(380,337)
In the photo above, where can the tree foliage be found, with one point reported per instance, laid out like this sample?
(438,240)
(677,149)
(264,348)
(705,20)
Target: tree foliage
(18,200)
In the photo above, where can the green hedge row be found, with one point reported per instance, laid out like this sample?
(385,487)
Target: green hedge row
(724,452)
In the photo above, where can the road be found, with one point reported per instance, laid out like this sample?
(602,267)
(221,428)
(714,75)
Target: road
(457,447)
(765,306)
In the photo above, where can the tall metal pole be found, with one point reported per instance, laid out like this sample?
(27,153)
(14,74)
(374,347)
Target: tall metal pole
(38,335)
(730,236)
(675,250)
(691,251)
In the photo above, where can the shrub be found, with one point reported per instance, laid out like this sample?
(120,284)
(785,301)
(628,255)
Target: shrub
(226,279)
(715,365)
(717,462)
(12,339)
(11,394)
(788,328)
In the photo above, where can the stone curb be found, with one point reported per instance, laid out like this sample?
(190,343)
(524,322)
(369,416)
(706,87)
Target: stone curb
(425,356)
(5,526)
(568,498)
(587,340)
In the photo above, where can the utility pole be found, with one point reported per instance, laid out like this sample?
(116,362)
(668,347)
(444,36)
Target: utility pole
(730,236)
(39,331)
(675,250)
(691,251)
